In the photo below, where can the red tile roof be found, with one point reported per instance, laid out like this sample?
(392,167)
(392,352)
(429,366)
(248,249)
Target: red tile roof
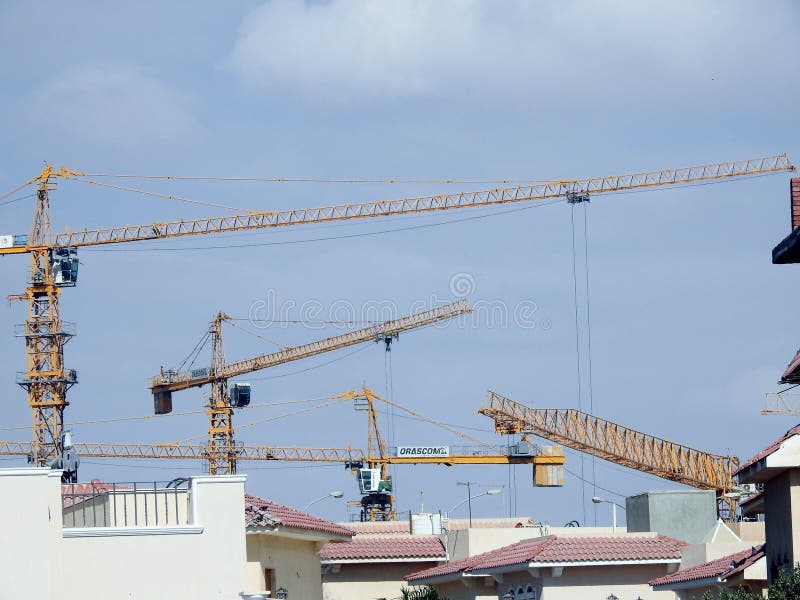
(402,527)
(721,568)
(556,549)
(381,528)
(394,547)
(265,513)
(769,449)
(73,493)
(791,374)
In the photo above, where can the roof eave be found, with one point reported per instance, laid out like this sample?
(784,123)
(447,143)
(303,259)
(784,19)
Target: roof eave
(436,579)
(309,535)
(572,563)
(756,472)
(403,559)
(688,584)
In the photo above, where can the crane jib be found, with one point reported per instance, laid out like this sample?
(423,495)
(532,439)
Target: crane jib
(181,381)
(383,208)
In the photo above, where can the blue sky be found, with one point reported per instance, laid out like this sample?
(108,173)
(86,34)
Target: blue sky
(691,324)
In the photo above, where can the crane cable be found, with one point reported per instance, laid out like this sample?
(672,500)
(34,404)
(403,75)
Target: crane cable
(253,333)
(577,349)
(157,195)
(389,181)
(266,420)
(589,342)
(194,353)
(173,414)
(389,387)
(455,432)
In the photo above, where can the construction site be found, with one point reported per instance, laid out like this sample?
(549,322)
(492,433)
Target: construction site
(244,367)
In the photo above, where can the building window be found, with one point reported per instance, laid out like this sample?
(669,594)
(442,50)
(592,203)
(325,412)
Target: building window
(530,593)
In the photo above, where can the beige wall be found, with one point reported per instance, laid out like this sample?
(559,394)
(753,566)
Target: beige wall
(575,583)
(203,561)
(749,531)
(367,581)
(294,561)
(781,501)
(701,553)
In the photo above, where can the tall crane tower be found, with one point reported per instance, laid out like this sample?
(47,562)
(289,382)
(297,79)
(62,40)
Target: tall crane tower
(54,262)
(620,445)
(375,484)
(221,449)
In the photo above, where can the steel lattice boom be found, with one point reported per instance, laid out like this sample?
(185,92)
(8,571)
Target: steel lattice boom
(616,443)
(197,451)
(182,381)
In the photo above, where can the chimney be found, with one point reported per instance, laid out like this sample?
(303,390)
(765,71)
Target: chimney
(794,187)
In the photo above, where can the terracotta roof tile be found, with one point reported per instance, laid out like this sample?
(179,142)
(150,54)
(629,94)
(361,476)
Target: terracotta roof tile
(791,374)
(721,568)
(402,527)
(380,528)
(452,567)
(579,549)
(73,493)
(260,512)
(769,449)
(563,549)
(392,547)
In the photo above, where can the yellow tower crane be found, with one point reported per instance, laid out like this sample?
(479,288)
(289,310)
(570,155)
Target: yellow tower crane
(620,445)
(370,467)
(221,450)
(375,484)
(54,262)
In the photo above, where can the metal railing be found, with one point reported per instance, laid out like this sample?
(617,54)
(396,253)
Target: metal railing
(128,504)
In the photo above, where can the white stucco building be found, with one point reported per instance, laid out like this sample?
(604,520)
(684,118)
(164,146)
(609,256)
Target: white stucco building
(199,538)
(196,552)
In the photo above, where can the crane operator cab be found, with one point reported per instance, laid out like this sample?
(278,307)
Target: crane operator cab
(68,461)
(240,395)
(370,482)
(64,262)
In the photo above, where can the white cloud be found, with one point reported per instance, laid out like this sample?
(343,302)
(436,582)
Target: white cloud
(358,49)
(112,103)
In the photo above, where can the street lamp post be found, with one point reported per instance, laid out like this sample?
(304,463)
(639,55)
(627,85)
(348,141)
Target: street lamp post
(334,494)
(470,497)
(614,505)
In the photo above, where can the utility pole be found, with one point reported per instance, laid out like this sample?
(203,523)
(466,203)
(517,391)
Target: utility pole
(469,499)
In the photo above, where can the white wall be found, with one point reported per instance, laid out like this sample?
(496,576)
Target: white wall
(203,561)
(30,518)
(208,563)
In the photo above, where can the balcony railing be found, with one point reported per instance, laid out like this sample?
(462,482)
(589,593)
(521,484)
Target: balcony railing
(129,504)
